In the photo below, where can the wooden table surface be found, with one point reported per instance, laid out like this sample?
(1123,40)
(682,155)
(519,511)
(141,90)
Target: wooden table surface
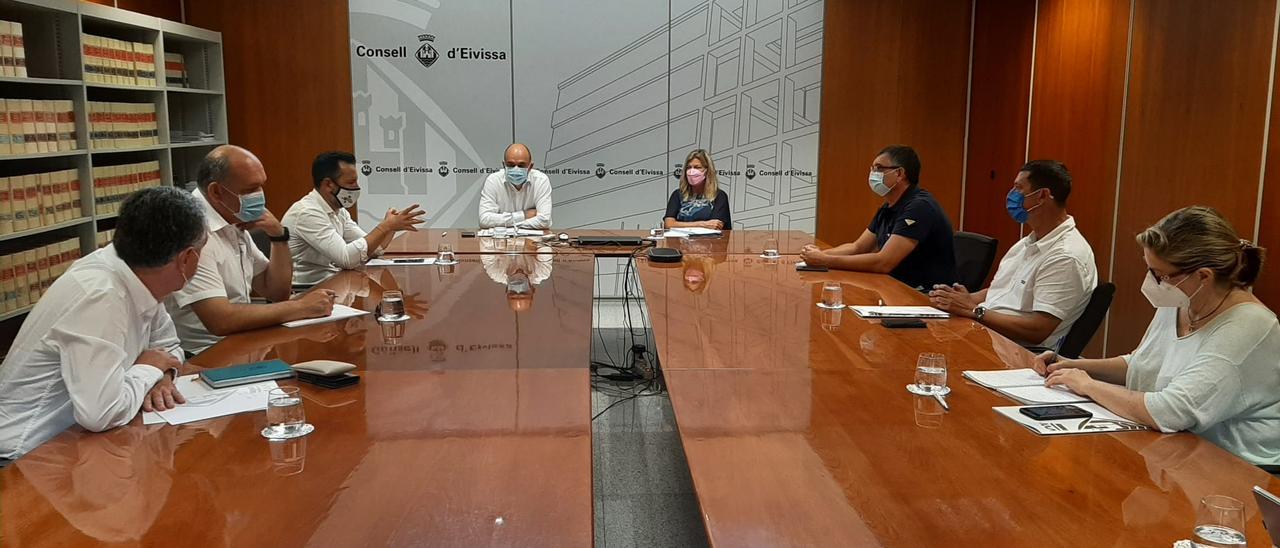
(798,429)
(427,242)
(473,429)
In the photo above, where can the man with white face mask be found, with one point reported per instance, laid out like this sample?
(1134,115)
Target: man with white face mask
(324,237)
(518,195)
(99,346)
(910,236)
(217,302)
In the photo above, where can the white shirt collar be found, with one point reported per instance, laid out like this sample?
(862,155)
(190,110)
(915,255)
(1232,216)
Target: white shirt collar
(211,216)
(318,201)
(137,291)
(1053,236)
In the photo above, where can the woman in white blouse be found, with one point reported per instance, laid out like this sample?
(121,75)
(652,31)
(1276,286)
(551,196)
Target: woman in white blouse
(1210,360)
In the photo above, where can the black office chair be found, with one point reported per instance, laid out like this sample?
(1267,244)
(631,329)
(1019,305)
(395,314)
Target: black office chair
(1083,330)
(260,240)
(975,254)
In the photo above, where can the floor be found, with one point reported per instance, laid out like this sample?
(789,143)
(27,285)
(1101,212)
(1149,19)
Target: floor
(643,492)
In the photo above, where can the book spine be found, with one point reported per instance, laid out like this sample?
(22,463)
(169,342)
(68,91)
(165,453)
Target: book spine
(5,136)
(19,51)
(32,185)
(73,182)
(6,49)
(6,207)
(29,134)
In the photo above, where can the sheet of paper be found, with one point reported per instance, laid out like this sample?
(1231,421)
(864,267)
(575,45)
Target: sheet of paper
(1032,395)
(389,262)
(488,232)
(204,402)
(695,231)
(899,312)
(340,312)
(1102,421)
(1004,378)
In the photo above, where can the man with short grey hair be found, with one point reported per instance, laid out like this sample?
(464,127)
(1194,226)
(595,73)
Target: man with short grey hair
(98,345)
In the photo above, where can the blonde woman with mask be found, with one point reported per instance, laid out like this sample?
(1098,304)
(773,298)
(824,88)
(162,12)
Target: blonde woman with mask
(698,202)
(1210,360)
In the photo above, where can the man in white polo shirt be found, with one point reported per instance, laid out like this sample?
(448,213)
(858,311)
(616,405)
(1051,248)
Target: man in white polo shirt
(217,302)
(518,196)
(324,237)
(1045,280)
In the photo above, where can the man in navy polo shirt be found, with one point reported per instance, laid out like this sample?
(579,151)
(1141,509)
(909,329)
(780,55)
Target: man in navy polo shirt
(910,238)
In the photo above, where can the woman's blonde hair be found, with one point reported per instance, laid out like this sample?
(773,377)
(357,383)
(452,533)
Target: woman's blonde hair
(709,187)
(1198,237)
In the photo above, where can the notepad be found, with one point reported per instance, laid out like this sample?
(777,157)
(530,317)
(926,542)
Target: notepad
(692,232)
(1102,421)
(899,312)
(340,312)
(1024,386)
(416,261)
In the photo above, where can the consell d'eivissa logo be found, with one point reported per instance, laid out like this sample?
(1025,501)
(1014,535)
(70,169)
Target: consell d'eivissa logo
(427,54)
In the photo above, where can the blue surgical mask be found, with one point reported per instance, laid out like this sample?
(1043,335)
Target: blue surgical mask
(876,181)
(252,206)
(517,176)
(1015,202)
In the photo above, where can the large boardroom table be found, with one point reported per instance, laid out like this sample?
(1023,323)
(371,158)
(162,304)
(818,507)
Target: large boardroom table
(473,426)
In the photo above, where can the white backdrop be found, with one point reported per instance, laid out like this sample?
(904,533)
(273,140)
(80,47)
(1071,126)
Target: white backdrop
(610,95)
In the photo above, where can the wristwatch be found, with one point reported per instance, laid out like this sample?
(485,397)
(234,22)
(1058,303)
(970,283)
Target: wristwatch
(281,238)
(979,312)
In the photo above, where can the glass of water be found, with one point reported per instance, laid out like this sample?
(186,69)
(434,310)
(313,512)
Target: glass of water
(285,416)
(288,457)
(444,255)
(770,248)
(931,375)
(392,307)
(392,331)
(658,231)
(830,318)
(832,295)
(1220,522)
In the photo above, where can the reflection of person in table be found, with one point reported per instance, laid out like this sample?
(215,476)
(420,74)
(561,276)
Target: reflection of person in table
(519,273)
(1208,362)
(696,272)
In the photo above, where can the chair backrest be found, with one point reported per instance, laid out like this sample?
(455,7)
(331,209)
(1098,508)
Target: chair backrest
(975,254)
(260,239)
(1083,330)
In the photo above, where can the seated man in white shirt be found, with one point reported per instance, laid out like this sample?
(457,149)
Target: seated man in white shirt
(98,345)
(324,239)
(518,196)
(217,301)
(1045,280)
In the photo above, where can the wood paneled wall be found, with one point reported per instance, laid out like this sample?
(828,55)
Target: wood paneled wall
(894,72)
(288,75)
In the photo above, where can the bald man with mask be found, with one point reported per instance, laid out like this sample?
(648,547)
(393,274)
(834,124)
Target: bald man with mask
(518,195)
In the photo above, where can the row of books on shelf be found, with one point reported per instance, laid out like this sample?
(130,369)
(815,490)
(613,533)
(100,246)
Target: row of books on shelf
(26,275)
(104,237)
(111,61)
(39,199)
(175,71)
(111,184)
(30,126)
(122,125)
(13,53)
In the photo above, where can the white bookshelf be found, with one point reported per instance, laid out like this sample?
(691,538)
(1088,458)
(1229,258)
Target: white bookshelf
(52,31)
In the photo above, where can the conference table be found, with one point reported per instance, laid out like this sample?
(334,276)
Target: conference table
(471,425)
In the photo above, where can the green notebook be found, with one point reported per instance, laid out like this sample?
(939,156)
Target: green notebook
(246,373)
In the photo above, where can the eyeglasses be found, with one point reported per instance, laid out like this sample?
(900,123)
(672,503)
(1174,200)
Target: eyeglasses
(883,169)
(1163,279)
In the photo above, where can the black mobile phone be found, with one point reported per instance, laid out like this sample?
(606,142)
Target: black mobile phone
(810,268)
(902,323)
(1055,412)
(468,234)
(415,260)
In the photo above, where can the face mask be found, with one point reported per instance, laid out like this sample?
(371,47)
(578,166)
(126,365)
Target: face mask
(517,176)
(876,181)
(1014,203)
(1166,295)
(251,206)
(347,197)
(695,176)
(518,285)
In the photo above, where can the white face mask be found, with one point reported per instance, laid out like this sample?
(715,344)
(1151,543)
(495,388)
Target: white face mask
(1166,295)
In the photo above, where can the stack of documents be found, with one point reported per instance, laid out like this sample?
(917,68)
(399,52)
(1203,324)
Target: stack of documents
(899,312)
(1102,421)
(204,402)
(1024,386)
(417,261)
(691,232)
(488,232)
(340,312)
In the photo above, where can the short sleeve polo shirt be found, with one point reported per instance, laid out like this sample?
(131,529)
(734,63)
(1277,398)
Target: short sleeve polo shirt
(918,216)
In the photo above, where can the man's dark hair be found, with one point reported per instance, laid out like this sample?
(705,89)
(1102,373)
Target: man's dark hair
(905,156)
(328,165)
(1050,174)
(155,224)
(214,167)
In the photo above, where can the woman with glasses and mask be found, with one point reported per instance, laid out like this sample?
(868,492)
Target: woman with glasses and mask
(1210,360)
(698,202)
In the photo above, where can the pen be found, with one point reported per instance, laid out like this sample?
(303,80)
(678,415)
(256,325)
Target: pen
(942,401)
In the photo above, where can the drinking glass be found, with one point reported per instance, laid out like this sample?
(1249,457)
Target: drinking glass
(1220,522)
(392,331)
(770,249)
(392,307)
(444,255)
(931,375)
(832,295)
(831,318)
(928,412)
(288,457)
(658,231)
(285,417)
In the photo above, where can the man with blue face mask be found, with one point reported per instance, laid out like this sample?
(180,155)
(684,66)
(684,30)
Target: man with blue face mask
(518,195)
(216,302)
